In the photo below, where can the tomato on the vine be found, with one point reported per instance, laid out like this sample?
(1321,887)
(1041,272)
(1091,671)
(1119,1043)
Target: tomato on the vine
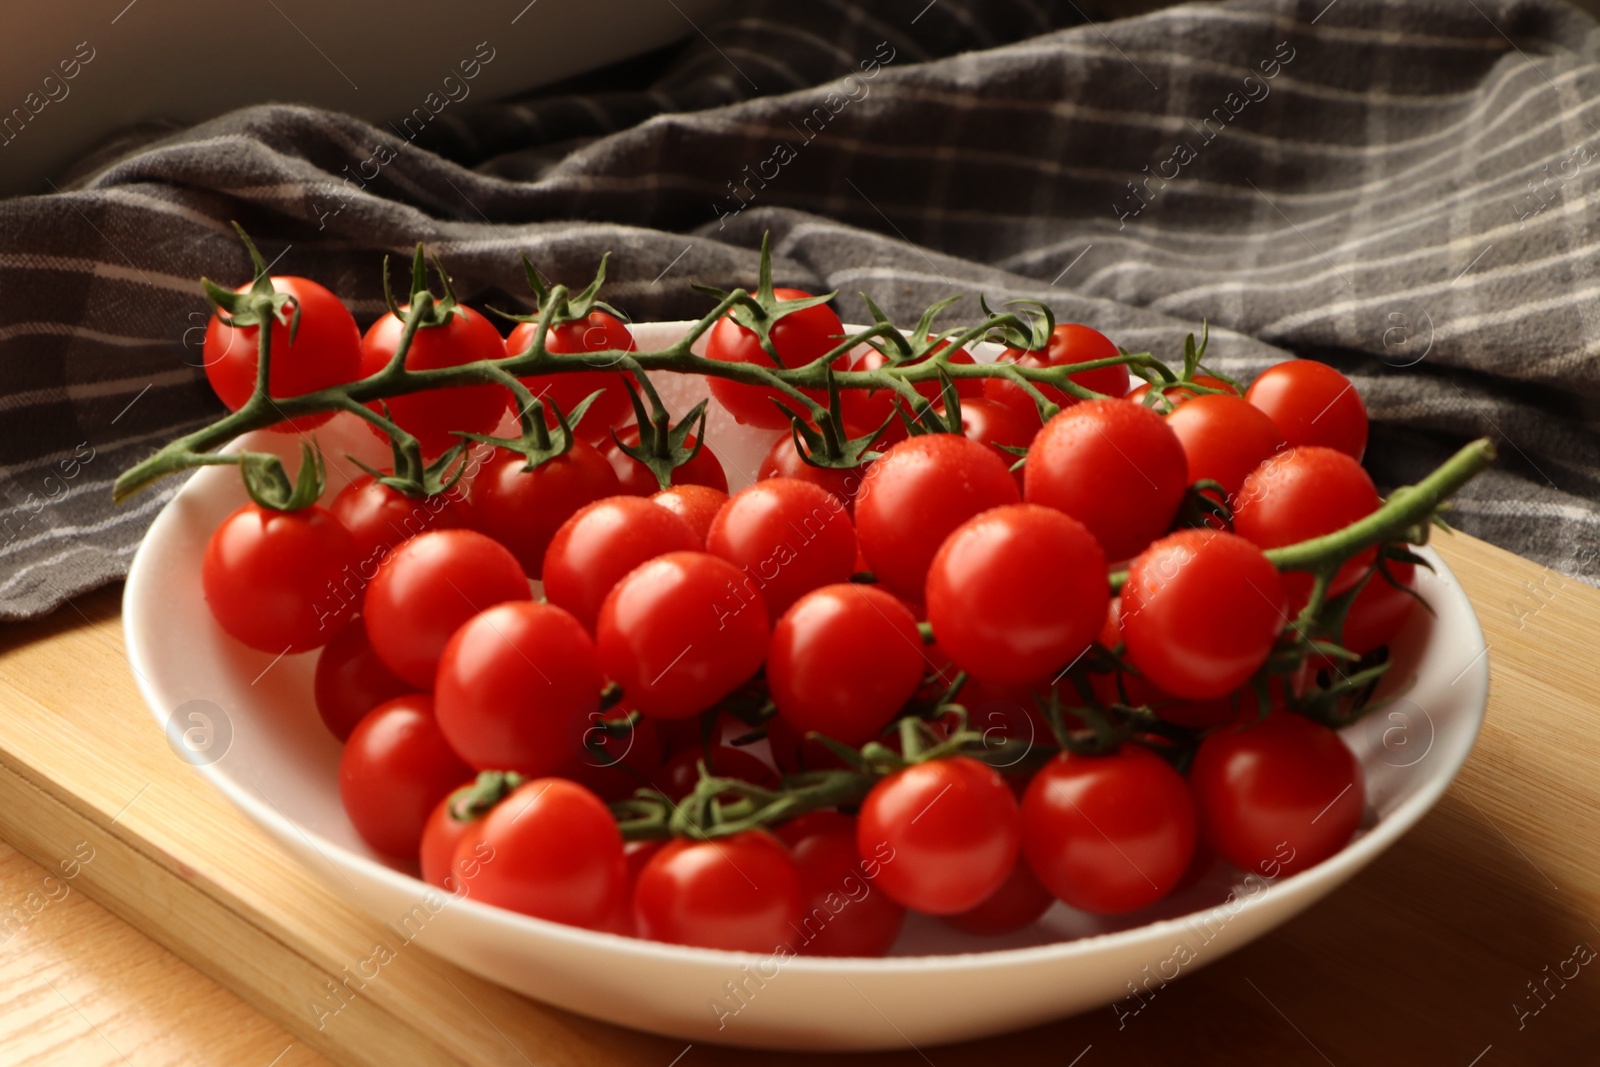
(441,837)
(1224,438)
(678,777)
(601,543)
(696,505)
(326,351)
(351,680)
(845,914)
(596,332)
(1069,343)
(870,407)
(394,770)
(1381,609)
(380,517)
(783,460)
(635,479)
(1312,404)
(522,509)
(276,580)
(992,423)
(740,893)
(433,415)
(788,537)
(1173,396)
(611,764)
(799,338)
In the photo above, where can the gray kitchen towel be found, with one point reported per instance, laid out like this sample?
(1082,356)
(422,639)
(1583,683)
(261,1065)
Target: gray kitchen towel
(1405,190)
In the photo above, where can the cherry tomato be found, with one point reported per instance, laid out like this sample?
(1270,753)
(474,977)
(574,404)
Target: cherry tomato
(555,853)
(992,423)
(351,680)
(870,407)
(635,854)
(430,586)
(681,632)
(1279,795)
(326,351)
(783,460)
(1200,612)
(947,831)
(1109,834)
(846,914)
(395,769)
(696,505)
(1020,901)
(1312,404)
(1114,466)
(844,660)
(788,537)
(800,337)
(596,332)
(596,547)
(740,893)
(379,518)
(1172,396)
(681,773)
(522,508)
(624,763)
(1005,712)
(1224,438)
(1305,493)
(920,491)
(1070,343)
(635,479)
(1380,610)
(794,752)
(432,415)
(1017,593)
(274,579)
(442,835)
(516,685)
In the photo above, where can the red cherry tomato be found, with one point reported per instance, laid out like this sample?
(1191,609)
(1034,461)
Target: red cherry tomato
(273,579)
(395,769)
(1200,612)
(870,407)
(1114,466)
(992,423)
(1279,795)
(788,537)
(680,632)
(635,854)
(740,893)
(794,752)
(635,479)
(844,660)
(1017,593)
(681,773)
(379,518)
(920,491)
(1301,494)
(625,762)
(1020,901)
(430,586)
(696,505)
(1380,610)
(783,460)
(522,508)
(554,853)
(596,547)
(800,337)
(516,685)
(1070,343)
(432,415)
(846,914)
(1224,438)
(1172,396)
(326,351)
(1109,834)
(947,832)
(596,332)
(351,680)
(441,837)
(1312,404)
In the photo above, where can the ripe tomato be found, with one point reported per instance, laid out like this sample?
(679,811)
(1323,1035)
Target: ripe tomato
(635,479)
(992,423)
(433,414)
(1114,466)
(326,351)
(1172,396)
(516,685)
(1300,494)
(1017,593)
(395,769)
(625,763)
(1109,834)
(947,831)
(379,517)
(788,537)
(273,579)
(844,915)
(522,509)
(441,836)
(351,680)
(844,660)
(596,332)
(921,490)
(430,586)
(681,632)
(1020,901)
(1312,404)
(1200,612)
(1279,795)
(794,752)
(1070,343)
(870,407)
(1224,438)
(740,893)
(783,461)
(1380,610)
(594,548)
(554,853)
(696,505)
(799,338)
(681,773)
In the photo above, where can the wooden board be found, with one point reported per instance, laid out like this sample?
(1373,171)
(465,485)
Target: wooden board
(1461,946)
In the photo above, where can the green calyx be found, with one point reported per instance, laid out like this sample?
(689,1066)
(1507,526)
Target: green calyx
(268,483)
(472,802)
(760,311)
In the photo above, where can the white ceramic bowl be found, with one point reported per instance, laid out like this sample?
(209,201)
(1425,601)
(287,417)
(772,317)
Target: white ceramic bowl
(250,727)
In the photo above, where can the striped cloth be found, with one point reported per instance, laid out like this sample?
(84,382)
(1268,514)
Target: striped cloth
(1404,190)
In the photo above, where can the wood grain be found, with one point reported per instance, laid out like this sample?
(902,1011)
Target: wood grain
(1431,956)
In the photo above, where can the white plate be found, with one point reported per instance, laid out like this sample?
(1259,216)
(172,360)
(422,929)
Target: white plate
(257,737)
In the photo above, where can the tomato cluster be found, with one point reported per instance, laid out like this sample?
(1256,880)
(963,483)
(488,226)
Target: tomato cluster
(784,717)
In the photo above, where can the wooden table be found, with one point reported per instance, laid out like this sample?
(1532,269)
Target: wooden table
(1450,950)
